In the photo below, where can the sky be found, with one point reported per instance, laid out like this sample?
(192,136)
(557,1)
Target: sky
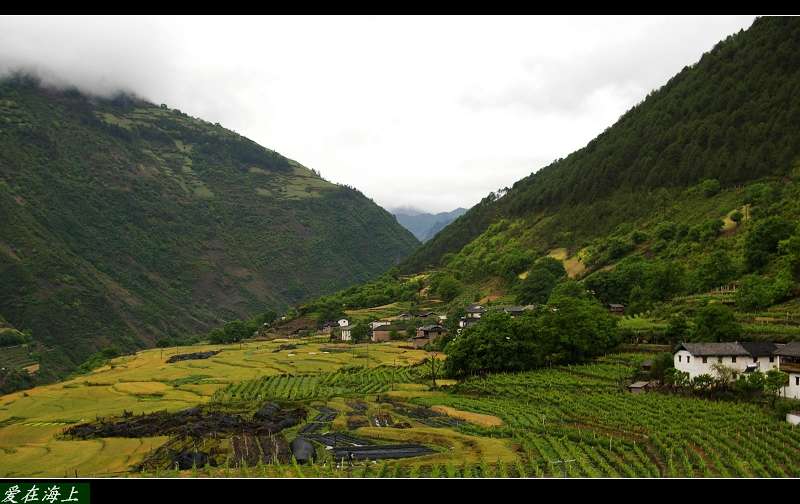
(429,112)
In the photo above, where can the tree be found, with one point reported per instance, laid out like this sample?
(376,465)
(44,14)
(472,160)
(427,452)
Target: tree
(709,187)
(498,343)
(702,383)
(661,363)
(551,264)
(714,270)
(579,328)
(536,287)
(716,322)
(360,333)
(448,288)
(677,328)
(235,331)
(763,239)
(754,292)
(751,384)
(726,375)
(774,382)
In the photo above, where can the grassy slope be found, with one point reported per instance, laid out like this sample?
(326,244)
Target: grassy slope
(122,221)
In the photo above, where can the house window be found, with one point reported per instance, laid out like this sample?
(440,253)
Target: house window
(797,380)
(755,359)
(705,360)
(680,358)
(688,359)
(719,359)
(733,359)
(772,358)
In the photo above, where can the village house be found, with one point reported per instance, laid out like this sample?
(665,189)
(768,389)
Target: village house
(384,332)
(343,322)
(748,356)
(789,355)
(617,308)
(346,332)
(472,314)
(377,323)
(328,326)
(426,334)
(405,316)
(515,311)
(425,314)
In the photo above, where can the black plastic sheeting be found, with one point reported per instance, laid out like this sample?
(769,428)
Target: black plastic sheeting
(192,356)
(302,450)
(380,452)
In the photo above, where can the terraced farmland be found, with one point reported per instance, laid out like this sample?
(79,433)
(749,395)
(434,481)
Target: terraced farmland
(570,421)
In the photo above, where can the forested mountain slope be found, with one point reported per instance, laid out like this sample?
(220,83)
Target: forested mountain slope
(122,222)
(732,116)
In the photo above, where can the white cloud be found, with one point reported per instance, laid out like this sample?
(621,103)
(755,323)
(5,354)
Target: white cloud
(433,112)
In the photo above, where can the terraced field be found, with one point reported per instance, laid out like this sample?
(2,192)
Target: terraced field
(31,420)
(571,421)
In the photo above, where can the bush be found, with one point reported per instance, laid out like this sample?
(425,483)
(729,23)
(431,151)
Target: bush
(714,323)
(763,239)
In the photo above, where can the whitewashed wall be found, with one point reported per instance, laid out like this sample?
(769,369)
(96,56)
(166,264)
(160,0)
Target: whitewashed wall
(686,362)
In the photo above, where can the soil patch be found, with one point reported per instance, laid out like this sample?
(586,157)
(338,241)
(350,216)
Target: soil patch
(192,356)
(194,422)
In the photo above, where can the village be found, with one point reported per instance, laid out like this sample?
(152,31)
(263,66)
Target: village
(694,359)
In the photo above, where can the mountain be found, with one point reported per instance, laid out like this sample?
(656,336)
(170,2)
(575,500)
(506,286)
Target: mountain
(691,195)
(732,117)
(425,225)
(122,222)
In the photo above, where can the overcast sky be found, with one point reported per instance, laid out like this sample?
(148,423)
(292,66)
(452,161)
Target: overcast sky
(429,112)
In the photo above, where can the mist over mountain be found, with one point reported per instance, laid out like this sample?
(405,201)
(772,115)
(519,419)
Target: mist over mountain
(423,225)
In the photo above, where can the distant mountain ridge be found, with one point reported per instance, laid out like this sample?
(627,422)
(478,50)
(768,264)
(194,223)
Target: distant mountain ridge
(424,226)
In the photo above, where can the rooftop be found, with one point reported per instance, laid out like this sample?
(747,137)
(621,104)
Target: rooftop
(789,350)
(730,348)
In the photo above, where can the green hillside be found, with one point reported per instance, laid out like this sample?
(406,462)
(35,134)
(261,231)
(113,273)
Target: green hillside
(122,222)
(693,192)
(732,116)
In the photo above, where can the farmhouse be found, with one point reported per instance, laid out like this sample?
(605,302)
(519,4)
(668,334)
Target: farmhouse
(405,316)
(700,358)
(616,308)
(377,323)
(384,332)
(328,326)
(343,322)
(425,314)
(346,332)
(428,333)
(789,355)
(472,314)
(515,310)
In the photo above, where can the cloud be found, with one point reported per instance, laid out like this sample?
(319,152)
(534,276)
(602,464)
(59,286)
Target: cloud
(432,112)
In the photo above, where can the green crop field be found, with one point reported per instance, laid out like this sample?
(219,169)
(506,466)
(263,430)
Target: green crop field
(30,420)
(573,421)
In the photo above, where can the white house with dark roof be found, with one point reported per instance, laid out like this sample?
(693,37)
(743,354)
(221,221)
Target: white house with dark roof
(472,314)
(699,358)
(346,332)
(789,355)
